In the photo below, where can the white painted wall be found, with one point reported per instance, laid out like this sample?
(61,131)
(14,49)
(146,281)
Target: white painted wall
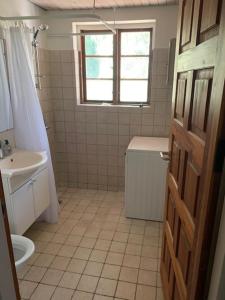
(18,7)
(166,23)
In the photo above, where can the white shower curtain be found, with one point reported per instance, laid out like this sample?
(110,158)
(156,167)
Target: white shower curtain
(29,127)
(6,120)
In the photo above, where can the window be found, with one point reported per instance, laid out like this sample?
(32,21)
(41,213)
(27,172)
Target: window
(115,68)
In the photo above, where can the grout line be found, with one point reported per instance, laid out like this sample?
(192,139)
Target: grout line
(95,204)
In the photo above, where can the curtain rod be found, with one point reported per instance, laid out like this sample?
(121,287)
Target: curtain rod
(68,34)
(60,16)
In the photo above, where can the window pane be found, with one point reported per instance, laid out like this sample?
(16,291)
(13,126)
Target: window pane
(133,90)
(134,67)
(99,90)
(99,67)
(99,44)
(135,43)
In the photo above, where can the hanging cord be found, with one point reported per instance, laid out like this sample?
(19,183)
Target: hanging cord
(94,6)
(114,17)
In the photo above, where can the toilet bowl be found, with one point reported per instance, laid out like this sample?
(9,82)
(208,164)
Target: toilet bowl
(23,249)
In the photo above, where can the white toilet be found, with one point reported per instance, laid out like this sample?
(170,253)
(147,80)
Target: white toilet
(23,249)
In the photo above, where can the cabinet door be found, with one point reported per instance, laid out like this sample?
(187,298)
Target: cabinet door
(23,208)
(41,192)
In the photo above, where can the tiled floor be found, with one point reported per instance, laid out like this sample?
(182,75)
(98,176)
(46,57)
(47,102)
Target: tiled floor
(93,253)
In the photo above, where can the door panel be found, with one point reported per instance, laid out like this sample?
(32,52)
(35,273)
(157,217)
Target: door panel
(210,16)
(23,208)
(41,192)
(197,126)
(187,22)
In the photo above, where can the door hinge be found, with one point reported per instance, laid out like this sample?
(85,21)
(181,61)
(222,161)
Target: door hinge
(220,156)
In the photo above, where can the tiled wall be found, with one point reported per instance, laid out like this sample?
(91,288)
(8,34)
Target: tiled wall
(44,94)
(90,141)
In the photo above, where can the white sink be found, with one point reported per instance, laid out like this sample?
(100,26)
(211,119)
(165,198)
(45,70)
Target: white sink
(22,162)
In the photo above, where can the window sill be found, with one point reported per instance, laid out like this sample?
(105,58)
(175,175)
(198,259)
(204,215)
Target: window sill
(114,105)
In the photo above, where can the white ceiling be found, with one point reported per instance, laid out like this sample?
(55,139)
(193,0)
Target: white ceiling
(87,4)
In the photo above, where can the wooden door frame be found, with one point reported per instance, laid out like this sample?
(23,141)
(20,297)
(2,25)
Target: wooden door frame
(213,49)
(11,286)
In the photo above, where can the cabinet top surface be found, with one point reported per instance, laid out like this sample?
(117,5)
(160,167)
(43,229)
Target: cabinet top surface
(148,144)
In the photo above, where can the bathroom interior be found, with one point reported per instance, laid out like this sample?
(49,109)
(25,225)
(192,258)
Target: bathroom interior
(106,123)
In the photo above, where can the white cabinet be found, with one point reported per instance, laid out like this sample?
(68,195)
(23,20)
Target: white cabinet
(145,178)
(23,208)
(41,192)
(28,202)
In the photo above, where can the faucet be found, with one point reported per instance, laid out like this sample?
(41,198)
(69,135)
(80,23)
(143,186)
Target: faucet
(5,148)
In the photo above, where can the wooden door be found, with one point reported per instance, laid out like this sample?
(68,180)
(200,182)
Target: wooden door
(8,276)
(196,132)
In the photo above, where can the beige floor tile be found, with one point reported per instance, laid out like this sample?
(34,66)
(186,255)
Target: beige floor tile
(106,235)
(69,280)
(126,290)
(129,274)
(133,249)
(33,258)
(148,264)
(52,277)
(35,274)
(45,236)
(59,238)
(100,297)
(43,292)
(114,258)
(79,295)
(98,256)
(139,222)
(62,294)
(123,227)
(60,263)
(132,261)
(44,260)
(88,283)
(121,237)
(78,230)
(106,287)
(151,231)
(27,288)
(137,229)
(67,251)
(145,292)
(118,247)
(52,248)
(102,245)
(93,268)
(151,241)
(150,251)
(82,253)
(73,240)
(23,271)
(135,238)
(87,242)
(147,277)
(76,265)
(41,246)
(110,271)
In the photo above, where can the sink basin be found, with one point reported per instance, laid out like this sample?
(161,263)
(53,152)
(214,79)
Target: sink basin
(22,162)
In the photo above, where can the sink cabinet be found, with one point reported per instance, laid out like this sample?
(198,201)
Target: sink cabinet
(28,201)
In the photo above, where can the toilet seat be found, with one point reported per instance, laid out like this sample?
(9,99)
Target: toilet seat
(23,249)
